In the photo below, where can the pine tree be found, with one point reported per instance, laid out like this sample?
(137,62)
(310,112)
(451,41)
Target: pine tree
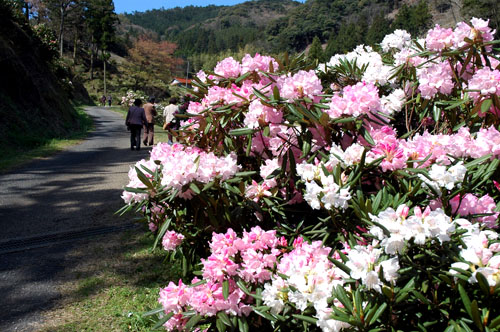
(316,51)
(378,30)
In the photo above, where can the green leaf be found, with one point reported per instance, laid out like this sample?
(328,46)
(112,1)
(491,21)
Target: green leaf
(136,190)
(201,282)
(152,312)
(241,132)
(494,323)
(224,318)
(225,289)
(243,324)
(483,283)
(343,298)
(245,174)
(242,286)
(276,93)
(465,299)
(477,161)
(242,77)
(367,136)
(264,314)
(221,327)
(144,179)
(436,113)
(192,322)
(476,316)
(208,186)
(307,319)
(260,95)
(379,312)
(194,188)
(485,105)
(163,320)
(162,231)
(340,265)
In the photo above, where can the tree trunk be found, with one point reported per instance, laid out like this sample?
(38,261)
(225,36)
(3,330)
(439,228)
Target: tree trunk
(75,45)
(92,58)
(104,60)
(61,26)
(27,9)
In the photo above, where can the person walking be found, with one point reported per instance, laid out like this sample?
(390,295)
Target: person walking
(103,100)
(149,126)
(109,100)
(169,114)
(136,118)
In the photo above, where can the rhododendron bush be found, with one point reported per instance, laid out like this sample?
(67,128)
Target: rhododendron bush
(357,195)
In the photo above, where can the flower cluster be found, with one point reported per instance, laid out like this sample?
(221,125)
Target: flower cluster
(171,240)
(250,257)
(321,189)
(478,254)
(419,227)
(128,99)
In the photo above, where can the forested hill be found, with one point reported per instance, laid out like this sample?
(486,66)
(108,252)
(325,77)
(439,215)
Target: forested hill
(35,102)
(286,25)
(214,28)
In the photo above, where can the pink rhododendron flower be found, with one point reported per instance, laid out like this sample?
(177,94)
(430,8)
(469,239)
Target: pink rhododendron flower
(258,62)
(171,240)
(356,100)
(299,85)
(259,114)
(218,96)
(438,39)
(394,156)
(435,78)
(228,68)
(255,191)
(470,204)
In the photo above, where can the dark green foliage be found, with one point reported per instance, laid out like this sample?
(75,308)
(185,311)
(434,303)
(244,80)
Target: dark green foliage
(349,36)
(101,20)
(35,100)
(379,28)
(414,19)
(316,51)
(279,26)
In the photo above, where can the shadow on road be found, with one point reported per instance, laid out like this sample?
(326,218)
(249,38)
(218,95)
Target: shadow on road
(76,189)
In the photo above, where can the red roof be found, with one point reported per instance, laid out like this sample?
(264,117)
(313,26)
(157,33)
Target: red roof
(182,80)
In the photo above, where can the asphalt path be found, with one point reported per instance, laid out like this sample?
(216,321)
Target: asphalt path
(54,204)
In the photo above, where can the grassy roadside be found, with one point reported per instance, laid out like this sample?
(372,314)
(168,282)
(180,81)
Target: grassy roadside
(11,157)
(114,283)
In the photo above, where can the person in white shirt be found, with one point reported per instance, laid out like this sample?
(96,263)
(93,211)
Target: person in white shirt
(169,115)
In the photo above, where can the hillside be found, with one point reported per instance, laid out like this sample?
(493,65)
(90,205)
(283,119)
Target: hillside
(35,105)
(212,29)
(286,25)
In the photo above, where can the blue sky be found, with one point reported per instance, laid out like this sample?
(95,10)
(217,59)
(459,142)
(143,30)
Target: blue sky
(129,6)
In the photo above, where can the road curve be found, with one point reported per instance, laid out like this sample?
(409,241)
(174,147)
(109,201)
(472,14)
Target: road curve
(70,192)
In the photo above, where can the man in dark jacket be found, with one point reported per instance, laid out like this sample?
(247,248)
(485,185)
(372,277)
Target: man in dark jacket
(136,118)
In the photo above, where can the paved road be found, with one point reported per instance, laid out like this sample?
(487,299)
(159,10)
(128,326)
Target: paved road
(68,196)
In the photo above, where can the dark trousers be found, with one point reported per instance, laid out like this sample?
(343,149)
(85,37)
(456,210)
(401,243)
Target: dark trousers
(149,133)
(135,136)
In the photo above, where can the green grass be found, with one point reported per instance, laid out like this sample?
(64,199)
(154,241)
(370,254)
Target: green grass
(120,282)
(33,147)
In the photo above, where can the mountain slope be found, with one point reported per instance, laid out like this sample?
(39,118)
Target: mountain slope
(34,103)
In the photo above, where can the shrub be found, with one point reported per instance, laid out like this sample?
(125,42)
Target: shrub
(373,176)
